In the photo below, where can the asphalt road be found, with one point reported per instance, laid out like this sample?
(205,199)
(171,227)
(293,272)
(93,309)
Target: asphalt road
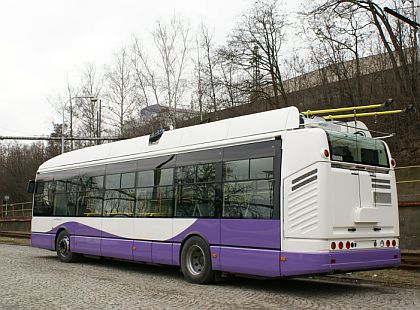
(34,279)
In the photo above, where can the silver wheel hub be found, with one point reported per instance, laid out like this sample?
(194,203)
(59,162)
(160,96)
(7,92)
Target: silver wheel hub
(64,246)
(195,260)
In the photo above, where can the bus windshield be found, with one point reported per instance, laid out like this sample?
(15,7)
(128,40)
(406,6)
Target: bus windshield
(354,148)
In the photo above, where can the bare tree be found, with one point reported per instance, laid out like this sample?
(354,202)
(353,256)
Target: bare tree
(85,110)
(404,63)
(256,42)
(146,76)
(208,69)
(336,43)
(232,80)
(198,71)
(171,41)
(121,96)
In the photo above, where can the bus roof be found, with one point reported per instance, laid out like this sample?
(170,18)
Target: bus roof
(218,133)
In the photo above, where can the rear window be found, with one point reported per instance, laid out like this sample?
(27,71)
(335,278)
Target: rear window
(354,148)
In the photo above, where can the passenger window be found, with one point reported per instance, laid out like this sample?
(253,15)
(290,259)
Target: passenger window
(249,195)
(252,199)
(185,174)
(44,199)
(90,203)
(196,200)
(97,182)
(261,168)
(113,181)
(236,170)
(128,180)
(154,201)
(145,178)
(166,177)
(206,173)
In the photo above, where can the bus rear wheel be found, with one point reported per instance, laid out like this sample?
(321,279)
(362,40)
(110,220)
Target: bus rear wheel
(63,249)
(196,261)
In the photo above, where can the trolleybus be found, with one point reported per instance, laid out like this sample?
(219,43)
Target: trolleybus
(269,194)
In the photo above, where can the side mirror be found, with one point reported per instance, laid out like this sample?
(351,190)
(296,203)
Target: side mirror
(31,187)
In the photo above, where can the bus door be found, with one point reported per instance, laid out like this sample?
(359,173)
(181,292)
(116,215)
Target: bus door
(118,210)
(250,227)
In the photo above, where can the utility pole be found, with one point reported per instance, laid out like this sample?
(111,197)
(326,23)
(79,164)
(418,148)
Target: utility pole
(98,122)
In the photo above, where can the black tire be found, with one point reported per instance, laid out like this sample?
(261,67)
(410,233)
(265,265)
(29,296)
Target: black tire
(63,248)
(196,261)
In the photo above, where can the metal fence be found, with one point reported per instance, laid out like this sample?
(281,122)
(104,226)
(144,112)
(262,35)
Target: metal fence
(16,210)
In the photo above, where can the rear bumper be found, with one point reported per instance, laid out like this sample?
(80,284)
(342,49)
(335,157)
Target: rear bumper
(338,261)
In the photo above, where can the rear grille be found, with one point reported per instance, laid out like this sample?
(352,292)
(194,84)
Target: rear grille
(304,179)
(302,204)
(385,184)
(384,198)
(381,197)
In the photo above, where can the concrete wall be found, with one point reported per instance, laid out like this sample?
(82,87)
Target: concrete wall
(410,227)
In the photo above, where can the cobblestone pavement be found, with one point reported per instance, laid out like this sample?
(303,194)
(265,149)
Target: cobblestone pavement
(34,279)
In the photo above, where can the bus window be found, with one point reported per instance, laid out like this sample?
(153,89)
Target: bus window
(249,195)
(154,201)
(44,199)
(352,148)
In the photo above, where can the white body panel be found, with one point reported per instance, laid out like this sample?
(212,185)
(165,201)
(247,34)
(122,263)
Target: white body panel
(155,229)
(322,203)
(243,129)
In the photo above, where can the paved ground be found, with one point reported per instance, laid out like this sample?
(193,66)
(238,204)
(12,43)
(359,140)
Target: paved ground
(34,279)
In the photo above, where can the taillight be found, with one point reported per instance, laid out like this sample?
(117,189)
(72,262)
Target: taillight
(340,245)
(388,243)
(348,245)
(393,162)
(394,243)
(333,245)
(325,153)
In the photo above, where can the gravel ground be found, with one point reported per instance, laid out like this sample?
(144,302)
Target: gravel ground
(34,279)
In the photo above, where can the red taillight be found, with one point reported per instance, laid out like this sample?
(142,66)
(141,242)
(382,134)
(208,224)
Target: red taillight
(333,245)
(348,245)
(326,153)
(388,243)
(394,243)
(340,245)
(393,162)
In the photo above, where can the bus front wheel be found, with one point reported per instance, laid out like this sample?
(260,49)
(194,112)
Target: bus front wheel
(196,261)
(63,249)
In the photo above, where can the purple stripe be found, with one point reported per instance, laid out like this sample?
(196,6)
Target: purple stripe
(250,261)
(74,228)
(43,241)
(308,263)
(176,254)
(86,245)
(162,253)
(117,248)
(366,259)
(251,233)
(304,263)
(142,251)
(238,257)
(209,229)
(215,257)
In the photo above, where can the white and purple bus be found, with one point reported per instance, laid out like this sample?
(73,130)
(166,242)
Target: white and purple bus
(269,194)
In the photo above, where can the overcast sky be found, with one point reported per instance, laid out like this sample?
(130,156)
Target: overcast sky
(43,42)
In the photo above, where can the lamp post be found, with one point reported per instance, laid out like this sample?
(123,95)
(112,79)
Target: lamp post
(92,98)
